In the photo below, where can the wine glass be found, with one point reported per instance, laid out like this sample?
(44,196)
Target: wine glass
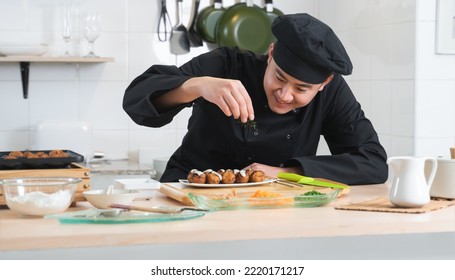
(91,31)
(67,32)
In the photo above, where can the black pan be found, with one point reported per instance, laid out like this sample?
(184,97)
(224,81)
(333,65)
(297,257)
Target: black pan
(246,26)
(39,163)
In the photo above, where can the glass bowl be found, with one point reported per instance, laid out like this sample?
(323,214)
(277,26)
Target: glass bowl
(39,196)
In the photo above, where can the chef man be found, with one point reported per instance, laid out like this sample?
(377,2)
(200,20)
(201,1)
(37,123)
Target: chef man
(265,112)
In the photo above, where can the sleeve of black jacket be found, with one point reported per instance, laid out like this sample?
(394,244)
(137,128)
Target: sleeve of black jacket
(357,157)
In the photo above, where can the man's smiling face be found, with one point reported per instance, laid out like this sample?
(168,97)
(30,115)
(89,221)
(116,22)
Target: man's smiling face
(284,92)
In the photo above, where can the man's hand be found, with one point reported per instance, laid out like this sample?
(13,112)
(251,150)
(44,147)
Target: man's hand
(229,95)
(272,171)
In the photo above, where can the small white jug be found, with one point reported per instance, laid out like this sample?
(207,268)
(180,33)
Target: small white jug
(410,188)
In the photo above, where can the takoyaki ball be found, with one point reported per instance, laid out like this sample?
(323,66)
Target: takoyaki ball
(31,155)
(196,176)
(249,171)
(42,155)
(16,154)
(257,176)
(28,154)
(9,157)
(242,177)
(221,171)
(57,154)
(213,178)
(228,177)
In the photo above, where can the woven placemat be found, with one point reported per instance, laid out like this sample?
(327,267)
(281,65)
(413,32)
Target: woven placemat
(382,204)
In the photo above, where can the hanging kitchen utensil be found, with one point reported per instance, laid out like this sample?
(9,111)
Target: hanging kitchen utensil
(164,23)
(207,21)
(272,13)
(193,37)
(179,41)
(244,25)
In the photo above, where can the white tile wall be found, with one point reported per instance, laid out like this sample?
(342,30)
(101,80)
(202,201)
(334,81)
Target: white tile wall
(435,89)
(403,87)
(380,38)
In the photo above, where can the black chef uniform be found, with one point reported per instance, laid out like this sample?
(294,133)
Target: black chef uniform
(215,141)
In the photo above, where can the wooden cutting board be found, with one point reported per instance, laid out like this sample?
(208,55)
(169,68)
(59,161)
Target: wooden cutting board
(180,192)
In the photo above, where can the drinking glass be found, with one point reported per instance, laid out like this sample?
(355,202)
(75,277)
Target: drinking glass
(91,31)
(67,31)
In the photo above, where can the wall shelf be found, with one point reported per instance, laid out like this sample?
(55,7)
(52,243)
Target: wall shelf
(24,63)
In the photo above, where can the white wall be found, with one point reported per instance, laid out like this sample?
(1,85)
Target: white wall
(379,36)
(435,88)
(392,77)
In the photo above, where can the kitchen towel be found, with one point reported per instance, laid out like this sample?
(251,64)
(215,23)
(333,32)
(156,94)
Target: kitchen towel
(382,204)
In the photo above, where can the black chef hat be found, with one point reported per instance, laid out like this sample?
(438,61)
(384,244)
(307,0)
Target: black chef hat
(308,49)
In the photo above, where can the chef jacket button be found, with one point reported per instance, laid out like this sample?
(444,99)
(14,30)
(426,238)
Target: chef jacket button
(288,136)
(250,158)
(281,165)
(255,133)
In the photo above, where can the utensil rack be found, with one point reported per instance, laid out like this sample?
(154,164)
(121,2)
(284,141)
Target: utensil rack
(24,63)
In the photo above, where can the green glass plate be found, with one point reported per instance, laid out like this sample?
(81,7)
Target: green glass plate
(285,197)
(92,216)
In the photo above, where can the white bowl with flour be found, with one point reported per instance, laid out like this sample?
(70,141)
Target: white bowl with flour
(39,196)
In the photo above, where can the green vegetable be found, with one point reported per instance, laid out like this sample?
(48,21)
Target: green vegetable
(313,192)
(248,123)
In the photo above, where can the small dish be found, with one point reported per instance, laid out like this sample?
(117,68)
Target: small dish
(100,199)
(146,188)
(23,48)
(186,183)
(137,184)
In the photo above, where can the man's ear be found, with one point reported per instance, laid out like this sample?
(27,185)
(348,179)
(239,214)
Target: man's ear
(272,45)
(329,78)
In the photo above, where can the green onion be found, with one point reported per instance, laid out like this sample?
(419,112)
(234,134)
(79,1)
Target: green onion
(247,124)
(313,192)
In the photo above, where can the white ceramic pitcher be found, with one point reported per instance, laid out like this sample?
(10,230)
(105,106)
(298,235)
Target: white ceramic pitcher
(410,188)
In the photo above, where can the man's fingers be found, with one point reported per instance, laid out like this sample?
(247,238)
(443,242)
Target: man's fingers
(246,111)
(231,97)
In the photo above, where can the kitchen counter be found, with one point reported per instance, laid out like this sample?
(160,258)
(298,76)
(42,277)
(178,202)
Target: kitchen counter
(122,167)
(289,233)
(103,172)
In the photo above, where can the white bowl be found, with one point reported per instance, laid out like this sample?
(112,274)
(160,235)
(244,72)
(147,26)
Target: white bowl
(100,199)
(23,48)
(39,196)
